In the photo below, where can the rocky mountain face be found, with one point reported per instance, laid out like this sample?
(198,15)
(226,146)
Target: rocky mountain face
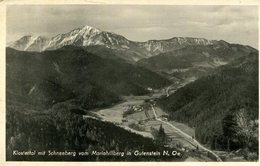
(88,36)
(30,43)
(160,46)
(130,50)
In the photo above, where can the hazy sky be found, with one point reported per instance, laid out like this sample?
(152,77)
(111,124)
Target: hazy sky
(235,24)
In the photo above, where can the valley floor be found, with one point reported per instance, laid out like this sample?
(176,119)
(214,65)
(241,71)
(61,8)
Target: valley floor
(143,121)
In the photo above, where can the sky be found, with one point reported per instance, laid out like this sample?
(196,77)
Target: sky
(234,24)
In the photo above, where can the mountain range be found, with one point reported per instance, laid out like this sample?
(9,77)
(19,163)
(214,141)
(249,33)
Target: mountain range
(105,62)
(129,50)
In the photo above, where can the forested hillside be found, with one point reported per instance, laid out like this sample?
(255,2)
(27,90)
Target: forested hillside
(46,78)
(223,107)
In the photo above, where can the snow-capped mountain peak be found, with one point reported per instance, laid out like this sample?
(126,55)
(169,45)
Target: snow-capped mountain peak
(86,36)
(30,43)
(90,29)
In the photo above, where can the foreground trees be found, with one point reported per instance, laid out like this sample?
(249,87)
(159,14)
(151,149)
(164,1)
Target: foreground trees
(59,129)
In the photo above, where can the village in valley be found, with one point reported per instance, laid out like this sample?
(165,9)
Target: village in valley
(139,114)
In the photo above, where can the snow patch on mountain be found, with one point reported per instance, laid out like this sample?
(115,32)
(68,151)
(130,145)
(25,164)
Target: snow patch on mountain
(32,89)
(124,46)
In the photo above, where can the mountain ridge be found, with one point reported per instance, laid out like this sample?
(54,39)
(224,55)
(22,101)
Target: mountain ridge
(194,61)
(90,36)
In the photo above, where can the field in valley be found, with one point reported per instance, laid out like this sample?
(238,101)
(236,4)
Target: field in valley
(141,121)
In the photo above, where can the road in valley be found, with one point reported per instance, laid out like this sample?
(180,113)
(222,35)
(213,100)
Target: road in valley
(114,114)
(186,136)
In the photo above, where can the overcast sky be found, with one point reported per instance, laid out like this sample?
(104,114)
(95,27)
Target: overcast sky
(235,24)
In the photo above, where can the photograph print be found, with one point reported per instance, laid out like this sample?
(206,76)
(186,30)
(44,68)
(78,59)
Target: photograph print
(166,83)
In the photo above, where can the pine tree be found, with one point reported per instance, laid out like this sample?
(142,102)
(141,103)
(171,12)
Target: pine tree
(161,135)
